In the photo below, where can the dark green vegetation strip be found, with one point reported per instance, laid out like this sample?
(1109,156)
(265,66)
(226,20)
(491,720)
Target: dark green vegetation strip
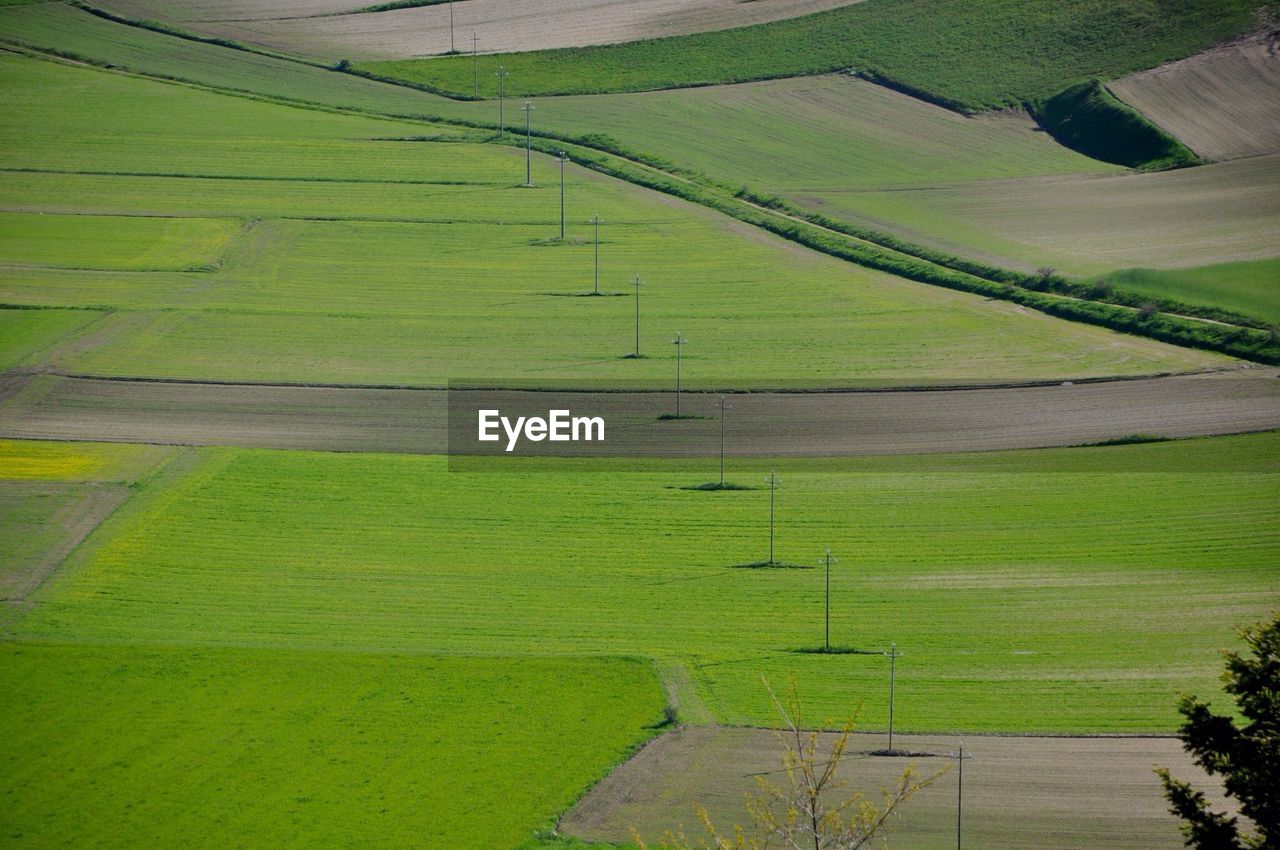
(397,4)
(965,54)
(1088,118)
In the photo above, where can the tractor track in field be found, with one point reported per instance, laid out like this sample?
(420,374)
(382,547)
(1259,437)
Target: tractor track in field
(870,421)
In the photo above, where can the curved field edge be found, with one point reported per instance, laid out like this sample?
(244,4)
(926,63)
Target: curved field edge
(1087,117)
(1108,307)
(306,745)
(1039,591)
(1059,44)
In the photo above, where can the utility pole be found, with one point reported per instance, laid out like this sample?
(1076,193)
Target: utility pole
(563,157)
(502,77)
(772,481)
(960,797)
(528,166)
(637,283)
(596,221)
(679,342)
(451,47)
(724,406)
(475,67)
(826,646)
(893,658)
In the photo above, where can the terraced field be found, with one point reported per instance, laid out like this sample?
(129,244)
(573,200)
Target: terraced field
(415,262)
(1030,591)
(329,29)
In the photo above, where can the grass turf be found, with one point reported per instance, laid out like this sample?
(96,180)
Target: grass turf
(979,55)
(454,273)
(24,334)
(1050,591)
(126,746)
(1249,288)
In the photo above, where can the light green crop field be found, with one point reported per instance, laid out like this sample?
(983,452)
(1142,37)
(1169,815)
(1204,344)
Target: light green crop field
(867,136)
(347,257)
(117,746)
(26,333)
(58,26)
(1048,591)
(75,462)
(1085,225)
(114,243)
(1252,289)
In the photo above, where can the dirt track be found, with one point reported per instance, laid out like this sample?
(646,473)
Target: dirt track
(1018,792)
(762,424)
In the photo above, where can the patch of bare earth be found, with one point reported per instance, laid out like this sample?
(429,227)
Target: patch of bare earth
(1019,792)
(501,25)
(1223,103)
(763,423)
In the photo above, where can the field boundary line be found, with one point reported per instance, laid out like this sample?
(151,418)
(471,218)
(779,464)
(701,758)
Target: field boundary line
(905,388)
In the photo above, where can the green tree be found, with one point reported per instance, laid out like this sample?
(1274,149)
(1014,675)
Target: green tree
(1247,756)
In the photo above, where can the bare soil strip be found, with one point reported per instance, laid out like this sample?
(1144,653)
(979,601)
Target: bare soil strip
(1223,103)
(1019,792)
(762,423)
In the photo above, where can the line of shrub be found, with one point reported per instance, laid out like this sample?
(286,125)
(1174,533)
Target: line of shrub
(1247,343)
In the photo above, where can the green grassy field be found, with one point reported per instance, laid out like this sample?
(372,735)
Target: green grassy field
(26,333)
(326,252)
(114,243)
(982,55)
(60,27)
(867,136)
(1051,591)
(213,747)
(1249,288)
(997,191)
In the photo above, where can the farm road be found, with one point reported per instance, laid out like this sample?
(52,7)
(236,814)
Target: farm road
(827,423)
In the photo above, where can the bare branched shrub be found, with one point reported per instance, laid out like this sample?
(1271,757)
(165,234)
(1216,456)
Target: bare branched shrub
(812,808)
